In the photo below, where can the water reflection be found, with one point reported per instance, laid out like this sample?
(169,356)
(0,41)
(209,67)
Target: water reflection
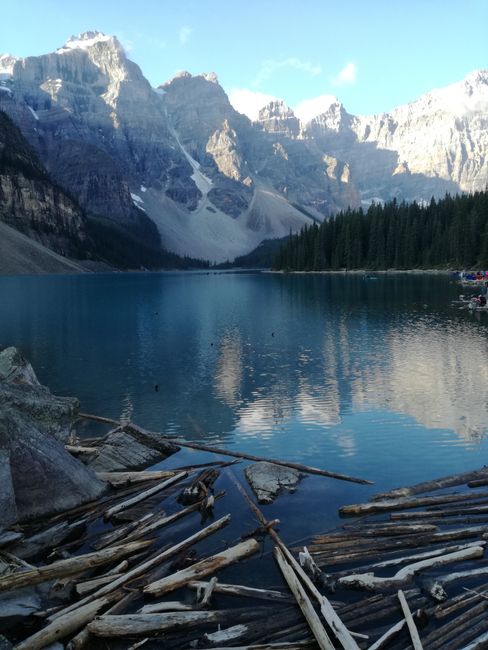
(322,368)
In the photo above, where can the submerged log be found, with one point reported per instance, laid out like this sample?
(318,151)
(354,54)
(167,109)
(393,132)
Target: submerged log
(203,568)
(145,435)
(141,496)
(71,566)
(404,503)
(246,592)
(436,484)
(388,635)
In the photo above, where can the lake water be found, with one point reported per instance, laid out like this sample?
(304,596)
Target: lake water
(377,378)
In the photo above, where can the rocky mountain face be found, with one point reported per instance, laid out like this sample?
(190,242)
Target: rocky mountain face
(30,202)
(176,163)
(180,168)
(434,145)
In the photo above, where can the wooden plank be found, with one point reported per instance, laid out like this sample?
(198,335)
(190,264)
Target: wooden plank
(414,635)
(303,602)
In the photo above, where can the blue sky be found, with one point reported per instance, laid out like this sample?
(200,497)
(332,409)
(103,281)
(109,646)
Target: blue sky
(373,55)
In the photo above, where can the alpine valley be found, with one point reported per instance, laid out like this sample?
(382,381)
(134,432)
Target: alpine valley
(96,164)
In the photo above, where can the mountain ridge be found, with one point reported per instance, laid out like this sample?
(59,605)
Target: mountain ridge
(180,165)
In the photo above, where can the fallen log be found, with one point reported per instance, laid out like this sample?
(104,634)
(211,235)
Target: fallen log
(436,484)
(412,628)
(303,602)
(478,643)
(71,566)
(370,581)
(388,636)
(167,606)
(120,532)
(330,615)
(462,575)
(286,645)
(164,520)
(246,592)
(65,625)
(452,512)
(123,479)
(203,568)
(140,569)
(99,418)
(142,624)
(404,503)
(141,496)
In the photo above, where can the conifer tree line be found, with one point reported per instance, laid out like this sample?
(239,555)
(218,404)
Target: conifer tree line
(447,233)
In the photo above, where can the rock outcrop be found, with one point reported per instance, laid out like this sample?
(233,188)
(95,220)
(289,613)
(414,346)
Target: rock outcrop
(268,480)
(38,476)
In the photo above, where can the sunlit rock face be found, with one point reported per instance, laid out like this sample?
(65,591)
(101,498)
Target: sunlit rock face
(96,123)
(436,144)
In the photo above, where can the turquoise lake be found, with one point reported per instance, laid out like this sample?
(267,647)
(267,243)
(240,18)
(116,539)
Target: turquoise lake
(378,378)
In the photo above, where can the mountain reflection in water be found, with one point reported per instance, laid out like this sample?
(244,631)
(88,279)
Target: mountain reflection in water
(332,370)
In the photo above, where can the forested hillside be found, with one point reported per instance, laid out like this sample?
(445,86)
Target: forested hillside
(450,232)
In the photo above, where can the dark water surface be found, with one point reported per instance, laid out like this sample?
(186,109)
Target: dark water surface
(378,378)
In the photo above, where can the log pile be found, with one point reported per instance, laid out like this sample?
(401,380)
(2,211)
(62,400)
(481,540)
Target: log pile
(149,565)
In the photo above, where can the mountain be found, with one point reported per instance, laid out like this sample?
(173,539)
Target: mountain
(31,203)
(178,168)
(434,145)
(169,163)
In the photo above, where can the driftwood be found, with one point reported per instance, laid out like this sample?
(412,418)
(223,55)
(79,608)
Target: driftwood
(430,514)
(437,484)
(203,568)
(65,625)
(404,503)
(142,624)
(144,495)
(167,606)
(412,628)
(123,479)
(246,592)
(370,581)
(388,636)
(304,603)
(236,454)
(293,645)
(140,569)
(326,609)
(121,532)
(71,566)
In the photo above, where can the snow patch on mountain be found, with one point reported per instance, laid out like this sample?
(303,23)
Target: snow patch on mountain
(84,41)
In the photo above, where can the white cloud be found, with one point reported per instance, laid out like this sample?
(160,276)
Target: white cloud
(310,108)
(249,102)
(270,66)
(185,33)
(347,75)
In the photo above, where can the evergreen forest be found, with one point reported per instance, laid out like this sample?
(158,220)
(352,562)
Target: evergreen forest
(447,233)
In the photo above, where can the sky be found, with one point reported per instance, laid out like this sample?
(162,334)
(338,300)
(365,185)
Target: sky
(372,55)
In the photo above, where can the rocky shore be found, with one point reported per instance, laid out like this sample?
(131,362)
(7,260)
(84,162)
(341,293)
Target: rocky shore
(104,546)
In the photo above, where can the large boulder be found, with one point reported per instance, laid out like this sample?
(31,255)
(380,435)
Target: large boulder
(38,476)
(20,389)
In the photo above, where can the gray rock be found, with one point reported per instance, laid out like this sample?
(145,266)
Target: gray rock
(17,605)
(268,480)
(15,368)
(38,476)
(21,390)
(8,508)
(46,479)
(131,448)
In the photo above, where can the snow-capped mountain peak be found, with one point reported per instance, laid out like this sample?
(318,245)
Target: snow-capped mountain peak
(84,41)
